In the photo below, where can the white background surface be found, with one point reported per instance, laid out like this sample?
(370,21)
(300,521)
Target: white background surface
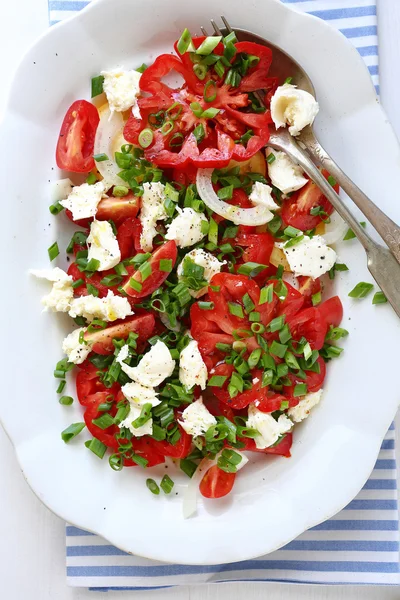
(32,542)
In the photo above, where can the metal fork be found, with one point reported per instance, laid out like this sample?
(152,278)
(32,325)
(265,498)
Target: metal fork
(383,264)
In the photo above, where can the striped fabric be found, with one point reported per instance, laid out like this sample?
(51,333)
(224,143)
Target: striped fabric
(360,545)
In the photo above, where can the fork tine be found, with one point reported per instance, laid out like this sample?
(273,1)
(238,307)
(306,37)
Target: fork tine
(228,27)
(204,32)
(216,28)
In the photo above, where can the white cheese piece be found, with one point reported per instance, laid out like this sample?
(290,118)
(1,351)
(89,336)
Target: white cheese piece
(204,259)
(138,395)
(75,351)
(197,419)
(192,370)
(62,292)
(152,210)
(61,189)
(109,308)
(83,200)
(284,174)
(302,410)
(269,429)
(261,195)
(311,257)
(293,107)
(103,245)
(155,366)
(185,229)
(121,88)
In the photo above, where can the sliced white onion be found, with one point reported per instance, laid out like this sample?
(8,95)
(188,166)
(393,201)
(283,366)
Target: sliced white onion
(109,138)
(259,215)
(189,504)
(61,189)
(335,230)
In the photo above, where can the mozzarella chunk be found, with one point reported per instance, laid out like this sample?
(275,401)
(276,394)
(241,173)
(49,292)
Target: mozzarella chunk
(138,395)
(269,429)
(210,264)
(75,351)
(302,410)
(284,174)
(197,419)
(192,370)
(293,107)
(122,89)
(152,210)
(261,195)
(61,189)
(103,245)
(83,200)
(311,257)
(109,308)
(155,366)
(62,292)
(185,229)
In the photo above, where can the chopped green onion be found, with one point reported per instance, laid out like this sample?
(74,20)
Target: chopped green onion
(350,233)
(208,45)
(213,232)
(284,334)
(248,304)
(278,349)
(165,265)
(361,290)
(223,347)
(331,180)
(288,80)
(292,231)
(379,298)
(116,462)
(225,193)
(300,389)
(188,466)
(92,290)
(294,241)
(199,133)
(104,421)
(53,251)
(196,109)
(251,269)
(277,323)
(111,280)
(120,191)
(235,309)
(219,69)
(217,381)
(72,431)
(210,97)
(284,405)
(184,41)
(166,484)
(66,401)
(254,317)
(145,415)
(167,128)
(210,113)
(56,208)
(257,328)
(267,378)
(97,85)
(145,138)
(254,358)
(266,294)
(142,68)
(97,447)
(177,140)
(316,298)
(291,361)
(153,487)
(270,158)
(100,157)
(200,71)
(61,386)
(172,113)
(206,305)
(91,179)
(145,270)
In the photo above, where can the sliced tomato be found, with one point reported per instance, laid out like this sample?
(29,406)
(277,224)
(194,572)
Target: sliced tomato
(102,340)
(143,446)
(157,277)
(128,237)
(215,406)
(76,139)
(232,288)
(207,346)
(118,209)
(256,393)
(293,302)
(200,323)
(179,450)
(270,402)
(311,324)
(296,209)
(332,311)
(94,280)
(88,383)
(107,436)
(282,449)
(216,483)
(256,78)
(308,287)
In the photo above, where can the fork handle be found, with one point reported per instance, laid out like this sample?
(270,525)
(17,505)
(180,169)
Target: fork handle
(388,230)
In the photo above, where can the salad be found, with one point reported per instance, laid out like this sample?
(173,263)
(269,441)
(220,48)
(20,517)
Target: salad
(196,274)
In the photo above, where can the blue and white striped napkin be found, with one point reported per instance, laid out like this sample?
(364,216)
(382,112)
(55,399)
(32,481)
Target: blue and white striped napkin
(360,545)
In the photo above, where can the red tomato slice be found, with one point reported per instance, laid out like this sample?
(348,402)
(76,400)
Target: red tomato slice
(308,287)
(107,436)
(157,277)
(311,324)
(256,78)
(76,139)
(128,237)
(200,324)
(216,483)
(270,402)
(118,209)
(292,303)
(296,209)
(210,354)
(282,449)
(143,447)
(94,280)
(256,393)
(102,340)
(332,311)
(88,383)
